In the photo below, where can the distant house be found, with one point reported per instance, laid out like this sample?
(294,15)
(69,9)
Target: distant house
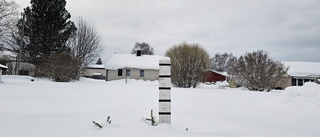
(121,66)
(26,69)
(300,73)
(11,62)
(95,71)
(2,67)
(213,76)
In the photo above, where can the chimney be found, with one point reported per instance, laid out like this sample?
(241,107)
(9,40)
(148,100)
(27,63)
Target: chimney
(138,51)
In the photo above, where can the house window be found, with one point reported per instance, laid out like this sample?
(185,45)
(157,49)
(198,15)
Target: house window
(300,82)
(141,73)
(128,72)
(294,82)
(119,72)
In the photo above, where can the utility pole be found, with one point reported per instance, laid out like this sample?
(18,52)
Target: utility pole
(21,44)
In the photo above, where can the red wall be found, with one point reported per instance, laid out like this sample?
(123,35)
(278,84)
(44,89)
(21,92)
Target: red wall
(213,77)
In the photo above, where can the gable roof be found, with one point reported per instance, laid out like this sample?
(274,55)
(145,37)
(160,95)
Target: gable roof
(217,72)
(303,68)
(221,73)
(117,61)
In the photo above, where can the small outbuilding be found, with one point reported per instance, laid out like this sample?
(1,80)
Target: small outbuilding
(2,68)
(213,76)
(95,71)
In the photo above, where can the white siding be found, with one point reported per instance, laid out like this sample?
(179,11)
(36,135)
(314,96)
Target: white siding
(149,74)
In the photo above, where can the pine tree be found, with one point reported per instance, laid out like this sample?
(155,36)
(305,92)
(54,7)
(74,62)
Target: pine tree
(47,28)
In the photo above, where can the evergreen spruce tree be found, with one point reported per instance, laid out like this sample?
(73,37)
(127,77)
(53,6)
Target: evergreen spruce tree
(47,28)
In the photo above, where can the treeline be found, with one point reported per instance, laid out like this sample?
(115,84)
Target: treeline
(253,70)
(49,38)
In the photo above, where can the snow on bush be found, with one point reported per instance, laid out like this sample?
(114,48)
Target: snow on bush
(306,95)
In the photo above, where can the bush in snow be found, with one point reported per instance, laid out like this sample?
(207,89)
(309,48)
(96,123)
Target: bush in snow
(258,72)
(61,67)
(188,61)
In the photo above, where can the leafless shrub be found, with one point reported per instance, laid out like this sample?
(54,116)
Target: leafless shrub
(188,61)
(86,44)
(258,72)
(61,67)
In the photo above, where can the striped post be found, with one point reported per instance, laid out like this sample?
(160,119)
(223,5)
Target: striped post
(165,91)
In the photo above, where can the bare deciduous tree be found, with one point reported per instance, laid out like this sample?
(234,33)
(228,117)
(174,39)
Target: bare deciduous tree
(188,61)
(223,62)
(144,47)
(8,15)
(8,20)
(86,44)
(258,72)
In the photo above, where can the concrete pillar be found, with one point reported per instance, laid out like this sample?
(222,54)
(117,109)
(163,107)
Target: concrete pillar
(165,91)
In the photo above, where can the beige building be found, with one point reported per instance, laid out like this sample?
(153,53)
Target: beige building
(131,66)
(300,73)
(95,71)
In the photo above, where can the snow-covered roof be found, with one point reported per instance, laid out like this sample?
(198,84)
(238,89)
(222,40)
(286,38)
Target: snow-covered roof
(3,66)
(303,68)
(118,61)
(221,73)
(97,66)
(96,74)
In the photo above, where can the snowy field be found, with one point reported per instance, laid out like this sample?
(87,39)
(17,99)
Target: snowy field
(46,109)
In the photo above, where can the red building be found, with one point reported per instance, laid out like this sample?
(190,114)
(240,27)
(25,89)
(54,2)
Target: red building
(214,76)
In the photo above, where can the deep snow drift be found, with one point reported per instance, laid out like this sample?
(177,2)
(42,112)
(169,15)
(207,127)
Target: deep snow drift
(44,108)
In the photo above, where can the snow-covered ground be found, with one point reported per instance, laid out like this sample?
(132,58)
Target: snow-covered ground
(47,109)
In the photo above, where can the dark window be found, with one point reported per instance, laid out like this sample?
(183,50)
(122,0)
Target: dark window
(300,82)
(141,73)
(128,72)
(294,82)
(119,72)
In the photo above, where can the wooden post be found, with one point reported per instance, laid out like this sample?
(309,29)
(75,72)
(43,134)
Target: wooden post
(165,91)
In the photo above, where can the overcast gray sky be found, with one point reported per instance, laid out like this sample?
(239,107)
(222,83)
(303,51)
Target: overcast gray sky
(288,29)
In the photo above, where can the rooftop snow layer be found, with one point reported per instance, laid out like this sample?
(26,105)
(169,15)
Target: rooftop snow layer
(97,66)
(118,61)
(303,68)
(3,66)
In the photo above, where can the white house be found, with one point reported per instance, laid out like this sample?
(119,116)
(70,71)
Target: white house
(121,66)
(2,67)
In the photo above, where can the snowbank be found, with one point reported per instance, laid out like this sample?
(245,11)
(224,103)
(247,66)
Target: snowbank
(53,109)
(304,96)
